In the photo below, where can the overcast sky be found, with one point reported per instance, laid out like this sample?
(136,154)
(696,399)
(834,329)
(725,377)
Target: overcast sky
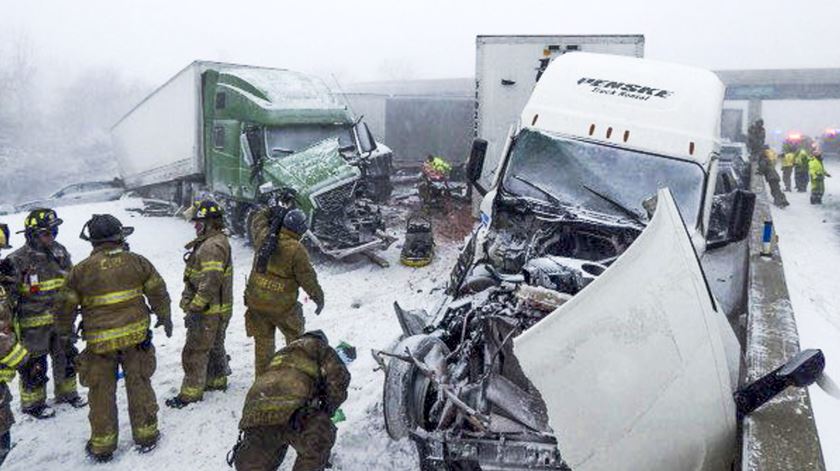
(367,40)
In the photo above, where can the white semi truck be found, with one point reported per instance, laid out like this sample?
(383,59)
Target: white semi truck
(578,330)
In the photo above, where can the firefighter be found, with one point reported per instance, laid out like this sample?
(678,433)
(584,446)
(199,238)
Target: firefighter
(800,174)
(113,287)
(292,404)
(207,302)
(817,172)
(767,167)
(788,162)
(272,290)
(755,139)
(40,267)
(12,354)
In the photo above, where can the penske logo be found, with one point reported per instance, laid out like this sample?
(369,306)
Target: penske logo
(624,89)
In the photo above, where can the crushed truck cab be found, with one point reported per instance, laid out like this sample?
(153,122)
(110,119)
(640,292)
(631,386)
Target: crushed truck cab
(578,328)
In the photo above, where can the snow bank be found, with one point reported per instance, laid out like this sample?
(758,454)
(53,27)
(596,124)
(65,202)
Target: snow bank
(199,436)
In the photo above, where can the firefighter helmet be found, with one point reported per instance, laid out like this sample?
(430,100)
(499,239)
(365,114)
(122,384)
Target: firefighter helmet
(105,228)
(4,236)
(207,209)
(295,221)
(41,220)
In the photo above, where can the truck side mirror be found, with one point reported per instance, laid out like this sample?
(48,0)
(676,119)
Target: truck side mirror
(367,143)
(731,218)
(800,371)
(475,165)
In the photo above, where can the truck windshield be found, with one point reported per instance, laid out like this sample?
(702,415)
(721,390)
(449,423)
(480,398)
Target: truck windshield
(598,177)
(291,139)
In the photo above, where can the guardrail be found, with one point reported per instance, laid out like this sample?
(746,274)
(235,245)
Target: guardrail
(782,434)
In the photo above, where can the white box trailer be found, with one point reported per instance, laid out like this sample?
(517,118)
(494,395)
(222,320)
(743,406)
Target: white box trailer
(507,69)
(160,139)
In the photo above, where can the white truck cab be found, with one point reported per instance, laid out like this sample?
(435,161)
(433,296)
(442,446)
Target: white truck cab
(623,127)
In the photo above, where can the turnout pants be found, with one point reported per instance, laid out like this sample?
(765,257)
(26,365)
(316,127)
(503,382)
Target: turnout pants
(6,421)
(262,325)
(801,177)
(817,190)
(98,371)
(264,448)
(787,172)
(41,341)
(204,357)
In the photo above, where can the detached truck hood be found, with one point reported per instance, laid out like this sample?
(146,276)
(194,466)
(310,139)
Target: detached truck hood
(637,370)
(312,170)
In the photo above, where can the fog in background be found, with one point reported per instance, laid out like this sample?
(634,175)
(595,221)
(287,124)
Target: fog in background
(69,70)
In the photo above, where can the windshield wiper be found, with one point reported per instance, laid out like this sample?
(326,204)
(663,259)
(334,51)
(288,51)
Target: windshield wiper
(624,209)
(553,199)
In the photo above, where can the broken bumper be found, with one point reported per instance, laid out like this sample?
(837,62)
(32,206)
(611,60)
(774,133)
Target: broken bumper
(381,241)
(504,454)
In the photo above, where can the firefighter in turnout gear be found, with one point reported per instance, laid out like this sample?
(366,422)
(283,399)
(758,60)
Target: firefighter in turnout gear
(767,167)
(207,301)
(117,290)
(291,404)
(801,169)
(12,353)
(816,171)
(272,290)
(40,269)
(788,162)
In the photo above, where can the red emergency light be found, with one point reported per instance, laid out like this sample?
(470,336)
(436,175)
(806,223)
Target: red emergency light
(794,136)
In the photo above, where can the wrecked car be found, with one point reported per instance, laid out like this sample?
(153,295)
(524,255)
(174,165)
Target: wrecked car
(578,330)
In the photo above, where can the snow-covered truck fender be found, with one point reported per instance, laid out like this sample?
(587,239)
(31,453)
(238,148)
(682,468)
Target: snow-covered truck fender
(638,342)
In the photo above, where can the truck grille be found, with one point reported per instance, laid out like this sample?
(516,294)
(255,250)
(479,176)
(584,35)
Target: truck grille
(335,200)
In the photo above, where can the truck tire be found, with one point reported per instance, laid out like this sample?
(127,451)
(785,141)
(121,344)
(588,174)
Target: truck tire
(404,391)
(247,217)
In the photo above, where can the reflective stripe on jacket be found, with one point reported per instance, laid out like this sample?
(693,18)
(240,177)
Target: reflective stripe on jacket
(208,276)
(113,286)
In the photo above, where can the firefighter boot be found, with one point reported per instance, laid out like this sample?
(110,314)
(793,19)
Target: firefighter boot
(98,457)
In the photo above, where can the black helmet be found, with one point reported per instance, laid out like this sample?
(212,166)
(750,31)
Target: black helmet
(4,236)
(105,228)
(295,221)
(207,209)
(41,220)
(318,334)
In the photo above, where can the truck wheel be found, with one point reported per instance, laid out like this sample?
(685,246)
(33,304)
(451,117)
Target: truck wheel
(247,216)
(405,390)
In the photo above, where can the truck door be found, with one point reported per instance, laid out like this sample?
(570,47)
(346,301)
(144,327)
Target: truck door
(224,155)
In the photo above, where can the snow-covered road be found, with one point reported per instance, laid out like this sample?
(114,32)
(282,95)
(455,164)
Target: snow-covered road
(198,437)
(809,242)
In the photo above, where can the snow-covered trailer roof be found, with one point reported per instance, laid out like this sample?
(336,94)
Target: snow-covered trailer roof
(652,106)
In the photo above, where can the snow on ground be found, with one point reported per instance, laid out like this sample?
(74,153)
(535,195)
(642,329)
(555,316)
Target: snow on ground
(809,242)
(199,436)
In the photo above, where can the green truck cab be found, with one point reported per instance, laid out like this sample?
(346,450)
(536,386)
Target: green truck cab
(238,132)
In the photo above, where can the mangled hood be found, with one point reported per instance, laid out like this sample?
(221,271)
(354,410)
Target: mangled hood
(637,369)
(312,169)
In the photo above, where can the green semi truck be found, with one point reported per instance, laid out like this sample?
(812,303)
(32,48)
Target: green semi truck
(239,133)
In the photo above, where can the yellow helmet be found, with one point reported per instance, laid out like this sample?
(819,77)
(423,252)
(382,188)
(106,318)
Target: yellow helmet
(4,236)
